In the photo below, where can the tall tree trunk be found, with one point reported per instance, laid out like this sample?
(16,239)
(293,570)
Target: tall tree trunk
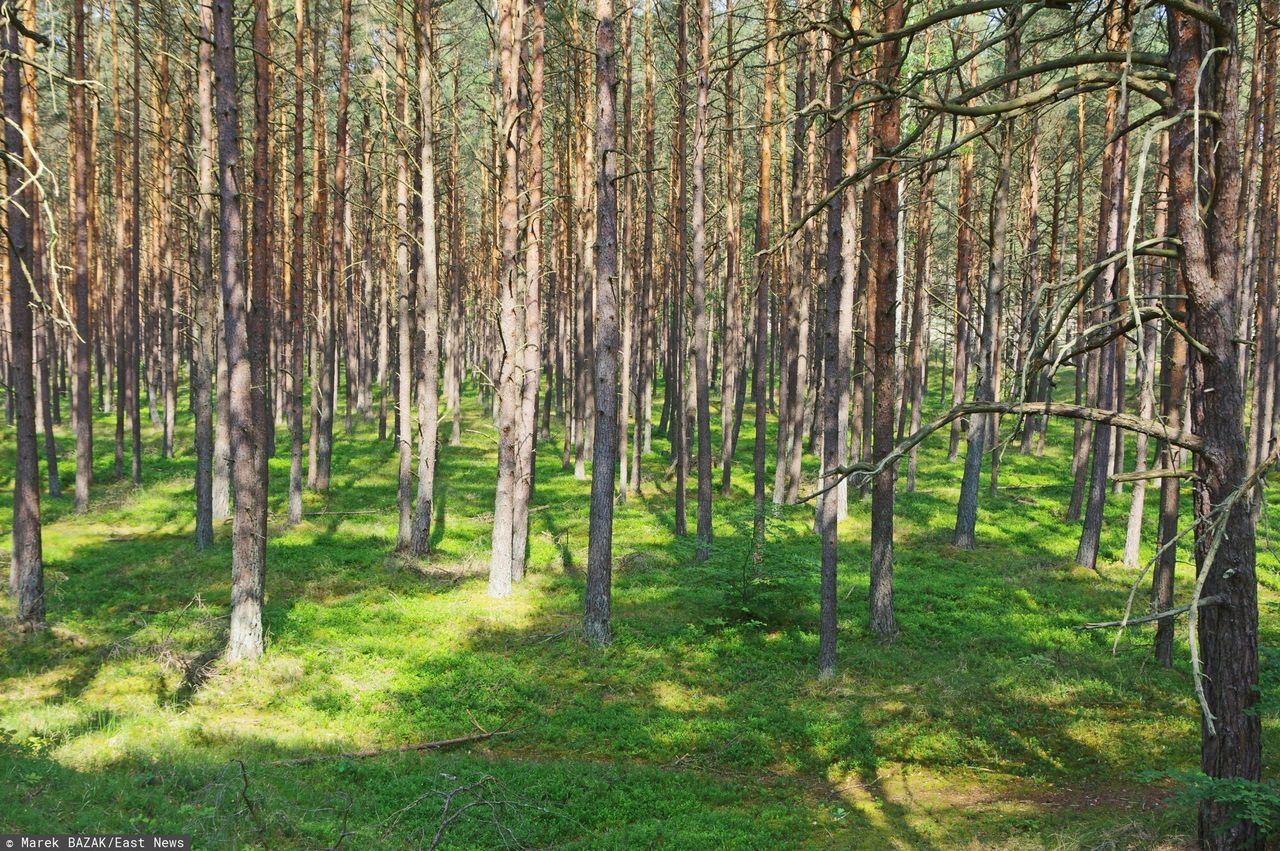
(46,344)
(675,376)
(1084,385)
(531,351)
(1266,398)
(404,299)
(81,168)
(965,237)
(1231,744)
(700,332)
(835,329)
(759,388)
(335,283)
(510,327)
(321,362)
(248,543)
(455,352)
(133,348)
(298,281)
(428,294)
(1173,381)
(919,321)
(596,625)
(731,376)
(642,309)
(1146,379)
(985,391)
(1106,289)
(885,233)
(26,571)
(205,289)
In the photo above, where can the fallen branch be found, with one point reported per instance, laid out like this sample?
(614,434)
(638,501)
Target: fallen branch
(1215,600)
(1144,475)
(436,745)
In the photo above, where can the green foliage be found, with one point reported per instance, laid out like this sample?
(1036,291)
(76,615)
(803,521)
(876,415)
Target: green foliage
(1251,801)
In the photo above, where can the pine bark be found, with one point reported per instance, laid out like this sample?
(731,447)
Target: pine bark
(759,386)
(298,280)
(510,326)
(205,288)
(700,330)
(596,621)
(428,292)
(885,233)
(248,542)
(26,571)
(81,167)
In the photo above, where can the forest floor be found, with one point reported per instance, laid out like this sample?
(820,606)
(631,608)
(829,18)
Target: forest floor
(991,721)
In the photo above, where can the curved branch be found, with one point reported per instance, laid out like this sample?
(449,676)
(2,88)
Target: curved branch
(1128,422)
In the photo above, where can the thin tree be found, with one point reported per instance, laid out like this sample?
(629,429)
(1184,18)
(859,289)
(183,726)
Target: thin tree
(985,391)
(26,571)
(759,387)
(700,332)
(531,375)
(404,298)
(510,328)
(886,130)
(604,460)
(81,167)
(428,292)
(1106,291)
(248,543)
(297,288)
(731,376)
(205,289)
(835,375)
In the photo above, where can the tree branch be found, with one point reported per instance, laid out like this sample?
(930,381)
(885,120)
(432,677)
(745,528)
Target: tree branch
(1158,616)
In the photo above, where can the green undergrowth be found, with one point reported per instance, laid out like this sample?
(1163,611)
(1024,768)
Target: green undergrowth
(990,720)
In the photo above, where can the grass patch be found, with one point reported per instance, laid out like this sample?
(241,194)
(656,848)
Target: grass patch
(989,722)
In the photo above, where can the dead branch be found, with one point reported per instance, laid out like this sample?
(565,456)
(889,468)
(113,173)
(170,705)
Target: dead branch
(1152,428)
(1145,475)
(438,744)
(1215,600)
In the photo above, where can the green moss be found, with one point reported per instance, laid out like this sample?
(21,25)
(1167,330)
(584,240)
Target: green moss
(989,721)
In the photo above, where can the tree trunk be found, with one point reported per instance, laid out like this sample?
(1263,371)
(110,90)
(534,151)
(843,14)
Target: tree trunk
(643,309)
(205,289)
(1106,288)
(298,281)
(596,621)
(839,292)
(81,167)
(985,391)
(428,295)
(731,376)
(1231,744)
(759,389)
(248,543)
(885,233)
(26,571)
(700,333)
(965,236)
(510,327)
(675,376)
(531,351)
(404,300)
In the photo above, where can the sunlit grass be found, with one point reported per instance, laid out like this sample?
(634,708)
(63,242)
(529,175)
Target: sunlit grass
(991,720)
